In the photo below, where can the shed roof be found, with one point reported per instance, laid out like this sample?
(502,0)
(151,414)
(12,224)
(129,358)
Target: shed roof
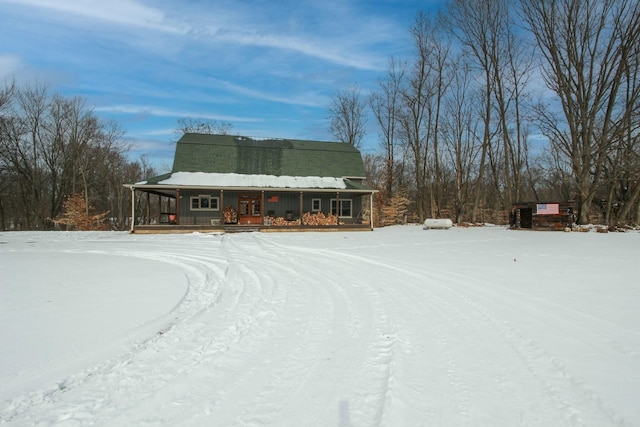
(278,157)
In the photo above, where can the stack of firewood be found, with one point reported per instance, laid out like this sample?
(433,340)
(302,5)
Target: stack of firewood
(230,215)
(307,219)
(279,221)
(319,219)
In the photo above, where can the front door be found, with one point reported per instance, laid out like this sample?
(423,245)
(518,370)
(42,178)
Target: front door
(250,209)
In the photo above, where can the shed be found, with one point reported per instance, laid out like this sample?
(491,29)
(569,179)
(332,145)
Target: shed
(542,215)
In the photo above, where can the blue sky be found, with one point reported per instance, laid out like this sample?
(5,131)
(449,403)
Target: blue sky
(268,67)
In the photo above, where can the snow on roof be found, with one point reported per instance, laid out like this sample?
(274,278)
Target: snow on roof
(241,180)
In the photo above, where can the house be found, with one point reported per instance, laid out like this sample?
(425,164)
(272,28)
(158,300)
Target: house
(226,181)
(542,215)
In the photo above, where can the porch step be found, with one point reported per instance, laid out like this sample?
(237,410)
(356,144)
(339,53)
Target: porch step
(241,228)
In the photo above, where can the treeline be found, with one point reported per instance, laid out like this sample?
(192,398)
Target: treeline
(54,148)
(456,121)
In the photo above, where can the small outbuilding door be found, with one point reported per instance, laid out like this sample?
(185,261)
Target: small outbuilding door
(526,218)
(250,209)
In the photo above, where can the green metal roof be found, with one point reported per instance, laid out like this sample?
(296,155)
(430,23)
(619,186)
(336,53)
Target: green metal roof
(157,179)
(280,157)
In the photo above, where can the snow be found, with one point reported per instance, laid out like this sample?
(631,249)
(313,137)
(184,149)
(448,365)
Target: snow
(205,179)
(396,327)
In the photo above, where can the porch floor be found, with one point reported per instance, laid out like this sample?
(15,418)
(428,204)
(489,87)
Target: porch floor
(238,228)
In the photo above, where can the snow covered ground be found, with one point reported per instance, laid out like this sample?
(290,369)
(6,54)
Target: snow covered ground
(396,327)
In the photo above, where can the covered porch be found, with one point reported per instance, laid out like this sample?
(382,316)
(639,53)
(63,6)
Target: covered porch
(158,208)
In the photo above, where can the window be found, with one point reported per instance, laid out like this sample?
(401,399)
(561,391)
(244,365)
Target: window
(244,207)
(316,205)
(204,202)
(345,208)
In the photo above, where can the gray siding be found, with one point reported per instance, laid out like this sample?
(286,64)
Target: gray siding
(276,204)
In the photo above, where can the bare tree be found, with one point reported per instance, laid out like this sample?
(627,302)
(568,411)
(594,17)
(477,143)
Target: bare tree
(23,150)
(588,47)
(51,148)
(627,182)
(385,107)
(414,115)
(6,95)
(460,136)
(472,23)
(68,132)
(442,67)
(346,113)
(204,126)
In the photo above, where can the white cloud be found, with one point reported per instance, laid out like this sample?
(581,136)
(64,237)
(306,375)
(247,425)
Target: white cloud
(164,112)
(338,38)
(333,33)
(305,100)
(121,12)
(160,132)
(9,65)
(330,52)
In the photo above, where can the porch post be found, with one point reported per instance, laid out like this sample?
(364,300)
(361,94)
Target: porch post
(159,209)
(371,210)
(301,208)
(262,207)
(133,210)
(148,215)
(177,206)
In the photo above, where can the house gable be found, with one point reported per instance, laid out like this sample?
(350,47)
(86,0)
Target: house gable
(277,157)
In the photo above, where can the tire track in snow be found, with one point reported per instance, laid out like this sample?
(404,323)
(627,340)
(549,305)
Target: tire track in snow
(253,342)
(293,378)
(401,294)
(329,314)
(105,391)
(285,369)
(264,370)
(369,392)
(565,392)
(244,376)
(286,360)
